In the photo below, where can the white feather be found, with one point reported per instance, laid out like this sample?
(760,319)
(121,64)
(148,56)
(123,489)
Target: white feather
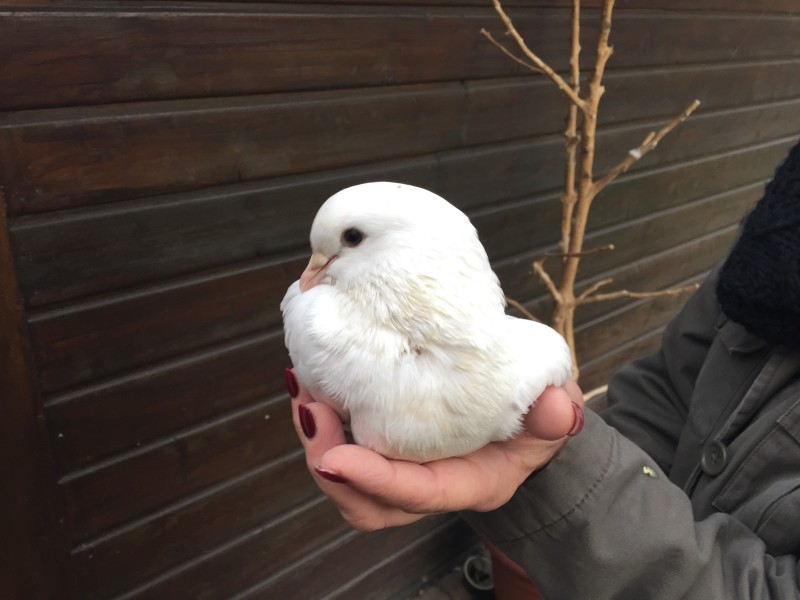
(407,336)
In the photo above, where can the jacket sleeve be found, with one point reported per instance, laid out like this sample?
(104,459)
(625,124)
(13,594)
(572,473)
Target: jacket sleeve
(648,400)
(603,521)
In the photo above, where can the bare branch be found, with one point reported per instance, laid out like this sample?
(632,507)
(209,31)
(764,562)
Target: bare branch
(538,267)
(638,295)
(592,289)
(570,197)
(522,309)
(604,52)
(545,68)
(605,248)
(595,392)
(510,54)
(650,142)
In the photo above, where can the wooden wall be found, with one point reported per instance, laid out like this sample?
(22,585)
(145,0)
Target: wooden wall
(161,162)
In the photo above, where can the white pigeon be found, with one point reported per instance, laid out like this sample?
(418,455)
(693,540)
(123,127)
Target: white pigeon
(399,324)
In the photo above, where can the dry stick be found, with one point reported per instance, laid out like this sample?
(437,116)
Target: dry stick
(638,295)
(545,68)
(592,289)
(521,308)
(571,133)
(538,267)
(650,142)
(605,248)
(508,52)
(564,314)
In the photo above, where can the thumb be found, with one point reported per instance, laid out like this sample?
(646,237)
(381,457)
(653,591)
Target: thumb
(558,412)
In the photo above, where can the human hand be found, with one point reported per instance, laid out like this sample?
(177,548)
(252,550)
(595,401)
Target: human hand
(373,492)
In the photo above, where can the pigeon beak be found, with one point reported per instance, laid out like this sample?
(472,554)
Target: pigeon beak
(315,271)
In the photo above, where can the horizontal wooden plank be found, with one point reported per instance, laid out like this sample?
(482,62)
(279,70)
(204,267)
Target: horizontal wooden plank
(116,491)
(598,372)
(785,7)
(129,151)
(508,229)
(254,554)
(673,267)
(604,335)
(99,340)
(600,361)
(144,51)
(141,551)
(782,7)
(324,571)
(402,574)
(631,241)
(73,157)
(145,241)
(138,409)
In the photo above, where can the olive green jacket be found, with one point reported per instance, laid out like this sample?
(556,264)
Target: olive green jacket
(687,487)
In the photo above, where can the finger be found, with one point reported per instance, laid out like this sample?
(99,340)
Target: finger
(441,486)
(296,391)
(320,430)
(556,413)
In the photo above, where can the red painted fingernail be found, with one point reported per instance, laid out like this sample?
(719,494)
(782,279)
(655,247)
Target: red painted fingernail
(291,383)
(578,425)
(330,475)
(307,423)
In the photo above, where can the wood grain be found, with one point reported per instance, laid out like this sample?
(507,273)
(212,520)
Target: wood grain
(147,51)
(33,551)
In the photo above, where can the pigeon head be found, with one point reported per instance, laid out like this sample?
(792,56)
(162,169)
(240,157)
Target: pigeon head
(398,248)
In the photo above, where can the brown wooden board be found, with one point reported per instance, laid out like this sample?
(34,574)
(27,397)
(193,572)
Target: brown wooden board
(723,6)
(384,580)
(146,51)
(33,550)
(59,259)
(159,323)
(141,481)
(313,577)
(148,404)
(128,556)
(253,555)
(74,157)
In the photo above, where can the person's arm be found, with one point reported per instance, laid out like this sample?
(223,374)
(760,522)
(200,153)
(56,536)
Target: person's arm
(603,521)
(648,400)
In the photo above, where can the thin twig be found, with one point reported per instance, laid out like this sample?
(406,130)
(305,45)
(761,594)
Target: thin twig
(638,295)
(592,289)
(605,248)
(570,197)
(508,52)
(545,68)
(522,309)
(650,142)
(538,267)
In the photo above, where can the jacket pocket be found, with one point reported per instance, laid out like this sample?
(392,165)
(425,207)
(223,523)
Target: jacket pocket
(764,491)
(780,524)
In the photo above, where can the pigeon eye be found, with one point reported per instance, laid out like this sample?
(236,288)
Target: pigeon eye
(352,237)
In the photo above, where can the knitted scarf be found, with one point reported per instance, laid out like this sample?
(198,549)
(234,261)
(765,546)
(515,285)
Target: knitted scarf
(759,284)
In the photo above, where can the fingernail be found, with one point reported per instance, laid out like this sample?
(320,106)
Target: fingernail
(307,423)
(291,383)
(578,425)
(330,475)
